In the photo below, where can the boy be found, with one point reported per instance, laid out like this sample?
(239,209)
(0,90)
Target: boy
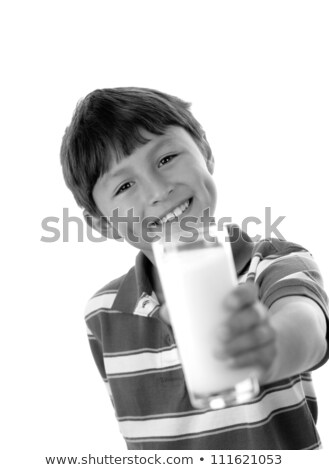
(138,162)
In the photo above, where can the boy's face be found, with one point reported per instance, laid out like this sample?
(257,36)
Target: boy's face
(157,178)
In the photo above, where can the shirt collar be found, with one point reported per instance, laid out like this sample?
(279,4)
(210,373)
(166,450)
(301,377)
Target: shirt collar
(136,284)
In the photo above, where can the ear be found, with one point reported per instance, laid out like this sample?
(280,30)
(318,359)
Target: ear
(101,225)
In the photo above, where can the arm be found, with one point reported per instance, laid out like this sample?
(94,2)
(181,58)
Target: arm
(300,331)
(285,340)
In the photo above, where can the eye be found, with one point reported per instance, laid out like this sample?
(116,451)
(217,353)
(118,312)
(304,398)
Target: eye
(123,188)
(168,158)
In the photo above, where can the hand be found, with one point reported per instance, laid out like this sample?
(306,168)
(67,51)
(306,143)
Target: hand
(245,337)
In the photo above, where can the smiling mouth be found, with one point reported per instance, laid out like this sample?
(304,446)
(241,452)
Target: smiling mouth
(173,215)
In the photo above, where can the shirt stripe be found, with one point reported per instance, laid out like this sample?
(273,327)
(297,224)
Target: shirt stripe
(97,303)
(141,361)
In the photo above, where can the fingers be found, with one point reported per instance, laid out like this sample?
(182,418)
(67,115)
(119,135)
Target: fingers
(253,339)
(241,297)
(263,357)
(236,323)
(245,336)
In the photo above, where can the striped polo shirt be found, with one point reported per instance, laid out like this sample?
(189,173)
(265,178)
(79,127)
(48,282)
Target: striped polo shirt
(137,357)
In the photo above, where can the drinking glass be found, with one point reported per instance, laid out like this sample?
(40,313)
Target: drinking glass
(196,273)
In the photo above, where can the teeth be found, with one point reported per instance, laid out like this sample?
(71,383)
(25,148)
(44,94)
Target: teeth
(171,215)
(176,212)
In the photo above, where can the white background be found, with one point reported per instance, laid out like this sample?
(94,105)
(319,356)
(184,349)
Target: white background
(257,74)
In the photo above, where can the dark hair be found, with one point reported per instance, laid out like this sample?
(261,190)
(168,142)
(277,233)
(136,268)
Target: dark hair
(106,126)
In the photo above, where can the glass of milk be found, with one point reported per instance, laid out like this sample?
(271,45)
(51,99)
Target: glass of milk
(196,275)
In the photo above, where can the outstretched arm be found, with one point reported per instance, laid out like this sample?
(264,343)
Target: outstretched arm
(287,339)
(300,328)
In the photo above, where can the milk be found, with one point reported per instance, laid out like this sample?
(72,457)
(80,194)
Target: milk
(195,282)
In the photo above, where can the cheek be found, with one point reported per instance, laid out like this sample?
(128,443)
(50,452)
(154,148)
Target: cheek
(210,189)
(126,218)
(120,209)
(213,198)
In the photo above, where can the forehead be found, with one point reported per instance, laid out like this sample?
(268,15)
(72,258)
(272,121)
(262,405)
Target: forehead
(171,134)
(172,137)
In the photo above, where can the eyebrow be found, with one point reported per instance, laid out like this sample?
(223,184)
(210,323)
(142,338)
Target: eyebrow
(156,147)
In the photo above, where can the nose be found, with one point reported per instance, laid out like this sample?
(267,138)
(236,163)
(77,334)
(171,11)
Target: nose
(157,189)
